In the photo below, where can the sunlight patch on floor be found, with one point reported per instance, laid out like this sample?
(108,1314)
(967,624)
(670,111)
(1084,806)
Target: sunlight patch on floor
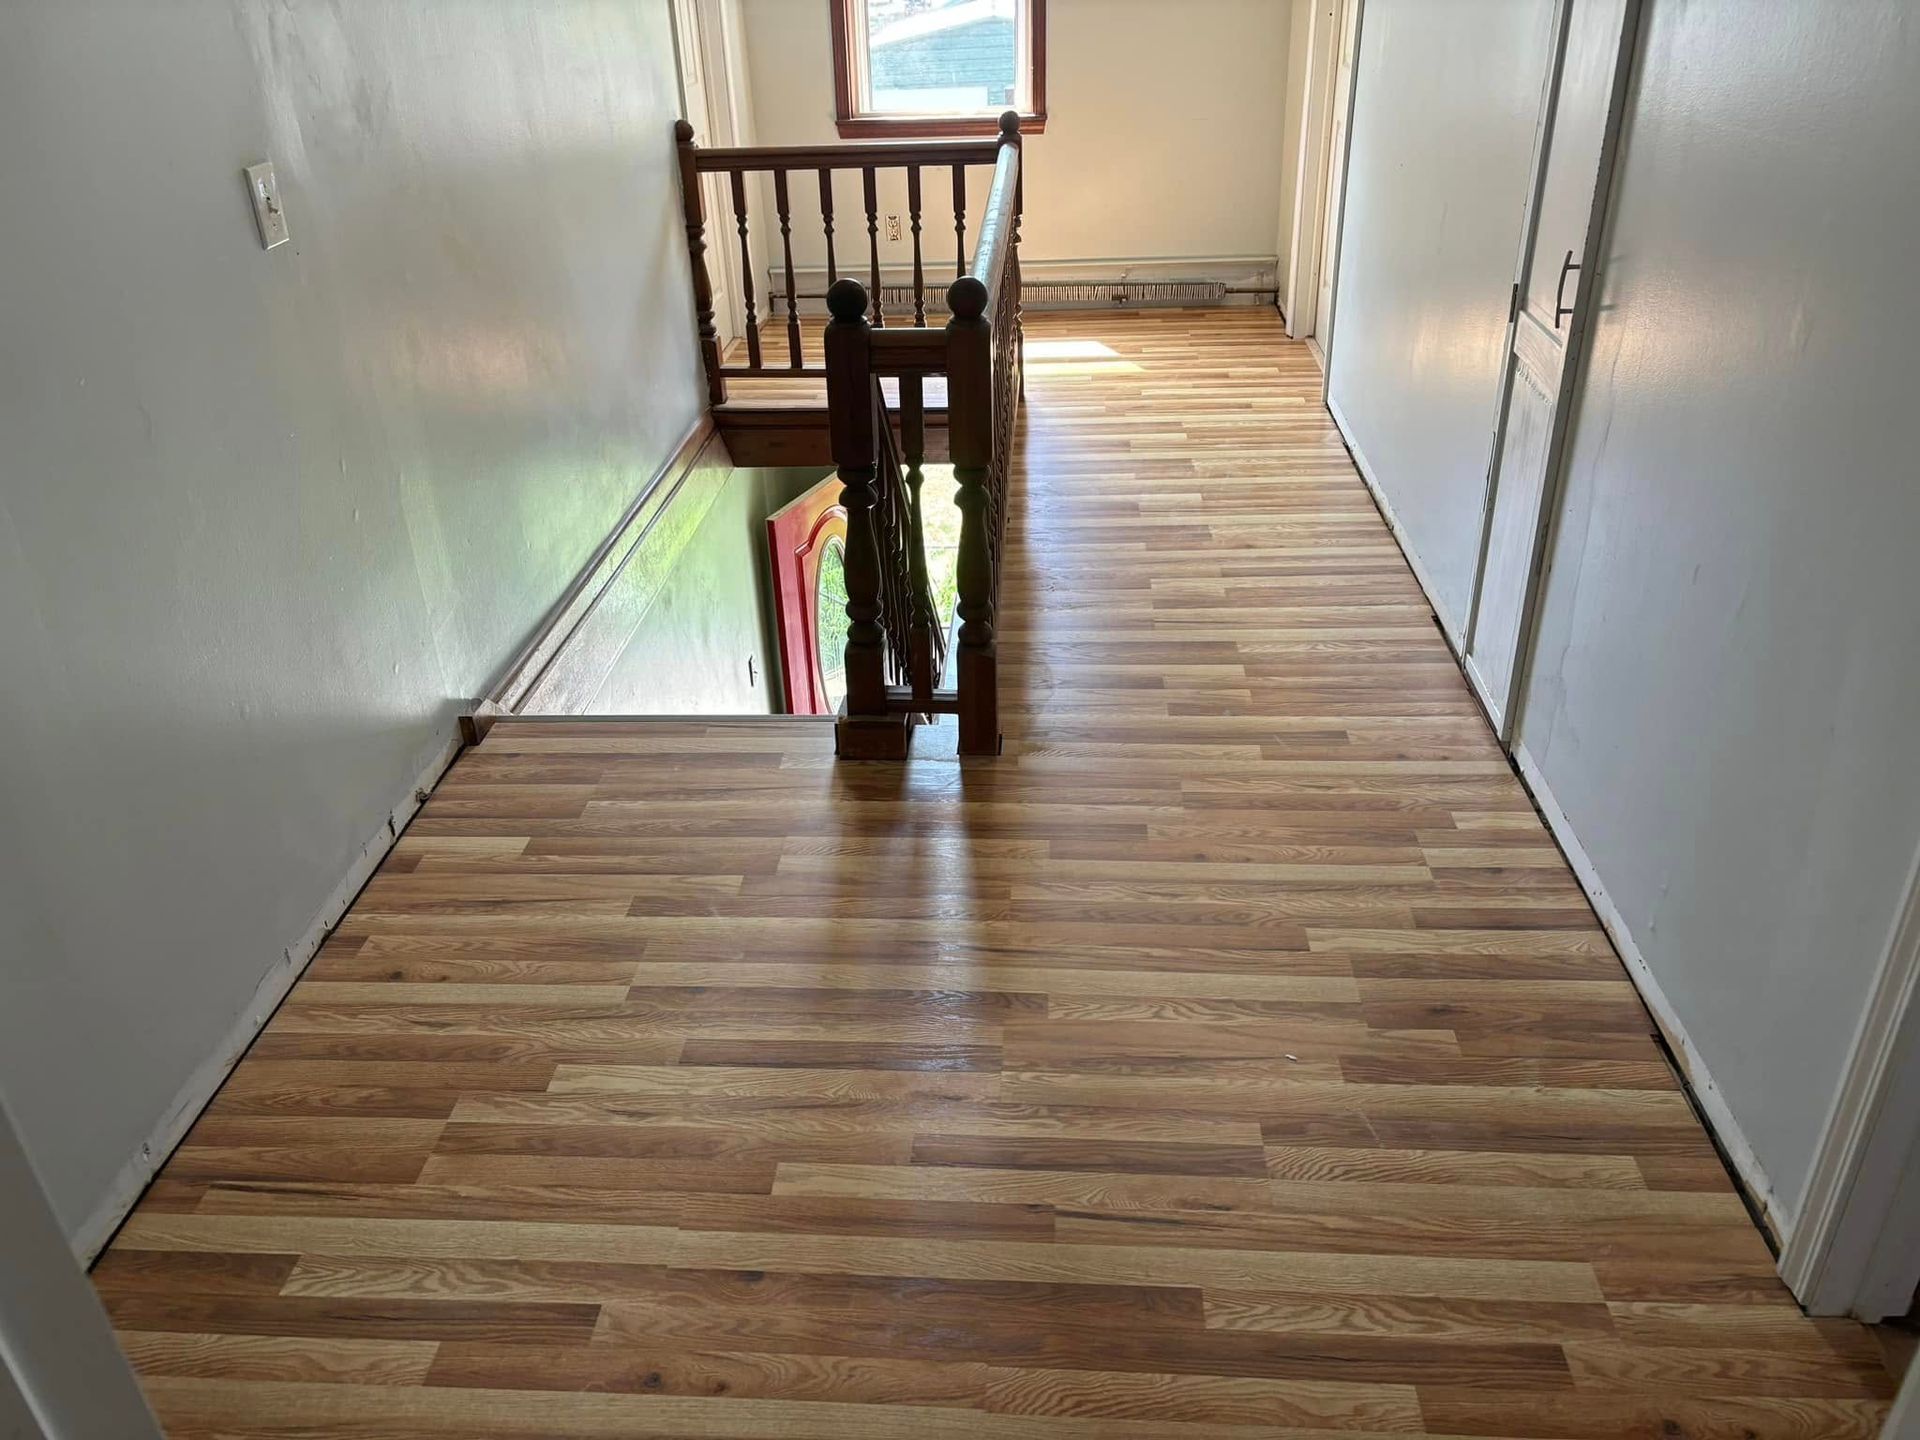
(1075,357)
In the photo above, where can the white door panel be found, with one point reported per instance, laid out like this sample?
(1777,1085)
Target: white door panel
(1571,173)
(1447,100)
(1520,473)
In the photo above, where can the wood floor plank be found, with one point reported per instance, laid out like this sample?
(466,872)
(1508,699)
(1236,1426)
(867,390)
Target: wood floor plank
(1233,1056)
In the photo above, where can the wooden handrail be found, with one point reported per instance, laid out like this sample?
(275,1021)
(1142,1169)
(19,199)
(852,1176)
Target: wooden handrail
(997,223)
(881,154)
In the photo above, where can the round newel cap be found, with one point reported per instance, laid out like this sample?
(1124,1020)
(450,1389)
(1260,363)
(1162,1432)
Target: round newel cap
(682,131)
(847,300)
(967,298)
(1009,124)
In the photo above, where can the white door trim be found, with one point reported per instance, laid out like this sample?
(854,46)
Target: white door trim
(1854,1247)
(59,1363)
(1354,23)
(1313,170)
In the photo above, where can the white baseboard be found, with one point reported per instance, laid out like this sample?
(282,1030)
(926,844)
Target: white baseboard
(1453,633)
(193,1097)
(1699,1079)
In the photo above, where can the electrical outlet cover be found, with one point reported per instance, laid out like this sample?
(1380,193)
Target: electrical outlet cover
(264,191)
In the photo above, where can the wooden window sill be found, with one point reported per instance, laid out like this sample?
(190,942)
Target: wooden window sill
(931,127)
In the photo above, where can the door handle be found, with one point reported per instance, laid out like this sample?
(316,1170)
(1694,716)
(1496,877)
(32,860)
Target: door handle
(1562,310)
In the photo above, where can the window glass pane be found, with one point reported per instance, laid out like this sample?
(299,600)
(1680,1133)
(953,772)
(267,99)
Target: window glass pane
(830,621)
(942,57)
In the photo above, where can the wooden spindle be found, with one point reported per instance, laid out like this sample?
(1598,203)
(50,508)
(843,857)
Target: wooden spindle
(873,242)
(786,248)
(826,219)
(746,269)
(913,444)
(852,436)
(913,224)
(694,208)
(960,220)
(970,440)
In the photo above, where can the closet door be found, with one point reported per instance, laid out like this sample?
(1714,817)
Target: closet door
(1447,102)
(1553,293)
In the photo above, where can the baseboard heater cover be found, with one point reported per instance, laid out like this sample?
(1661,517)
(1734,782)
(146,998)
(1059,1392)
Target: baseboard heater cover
(898,299)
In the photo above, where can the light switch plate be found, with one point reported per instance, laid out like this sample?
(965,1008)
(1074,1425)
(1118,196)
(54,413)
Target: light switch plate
(264,191)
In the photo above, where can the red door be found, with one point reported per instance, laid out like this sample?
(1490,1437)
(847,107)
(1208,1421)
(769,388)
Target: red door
(807,542)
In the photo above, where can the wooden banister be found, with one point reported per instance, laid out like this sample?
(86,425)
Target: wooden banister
(979,355)
(895,640)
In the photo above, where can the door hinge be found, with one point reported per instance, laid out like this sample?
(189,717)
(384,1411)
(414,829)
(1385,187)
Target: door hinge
(1513,303)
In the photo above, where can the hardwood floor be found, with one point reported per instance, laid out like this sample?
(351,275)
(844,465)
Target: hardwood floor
(1235,1056)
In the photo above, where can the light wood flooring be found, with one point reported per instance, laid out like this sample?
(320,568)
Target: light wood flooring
(1233,1057)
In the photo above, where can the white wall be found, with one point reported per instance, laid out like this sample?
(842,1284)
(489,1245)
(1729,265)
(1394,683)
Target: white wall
(1163,135)
(1727,676)
(267,519)
(1447,99)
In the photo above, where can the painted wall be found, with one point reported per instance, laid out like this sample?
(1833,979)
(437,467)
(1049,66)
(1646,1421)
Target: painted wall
(1163,131)
(704,643)
(1727,674)
(269,519)
(1447,97)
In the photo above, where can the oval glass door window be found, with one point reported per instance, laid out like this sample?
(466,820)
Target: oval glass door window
(830,620)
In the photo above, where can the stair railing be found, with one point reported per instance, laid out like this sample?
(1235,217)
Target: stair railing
(979,353)
(795,170)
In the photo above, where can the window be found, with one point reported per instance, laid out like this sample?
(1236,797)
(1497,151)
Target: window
(938,67)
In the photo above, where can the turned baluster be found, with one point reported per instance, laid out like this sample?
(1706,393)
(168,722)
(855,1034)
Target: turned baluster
(960,220)
(746,268)
(926,619)
(873,242)
(913,223)
(826,220)
(851,434)
(786,248)
(970,439)
(694,209)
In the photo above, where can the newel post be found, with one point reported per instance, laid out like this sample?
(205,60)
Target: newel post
(850,429)
(695,209)
(970,442)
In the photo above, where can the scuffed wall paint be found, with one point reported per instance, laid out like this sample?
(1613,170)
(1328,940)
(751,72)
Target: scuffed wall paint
(268,520)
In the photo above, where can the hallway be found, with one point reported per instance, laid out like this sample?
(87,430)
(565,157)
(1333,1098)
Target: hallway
(1234,1056)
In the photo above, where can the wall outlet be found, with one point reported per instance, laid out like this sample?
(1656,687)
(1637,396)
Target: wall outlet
(893,227)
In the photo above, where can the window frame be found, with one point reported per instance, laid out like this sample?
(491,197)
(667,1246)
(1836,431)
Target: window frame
(856,124)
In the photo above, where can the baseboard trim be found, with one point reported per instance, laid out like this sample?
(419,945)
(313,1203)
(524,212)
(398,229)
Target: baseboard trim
(201,1086)
(1706,1094)
(1448,628)
(524,672)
